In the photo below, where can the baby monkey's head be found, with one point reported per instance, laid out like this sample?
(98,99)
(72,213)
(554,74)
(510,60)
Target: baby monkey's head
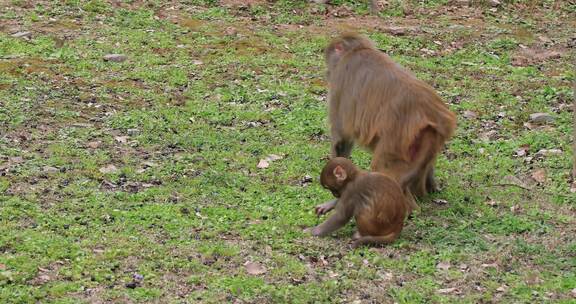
(336,175)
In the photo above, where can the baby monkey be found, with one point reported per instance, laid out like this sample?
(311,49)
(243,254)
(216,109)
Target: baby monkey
(375,199)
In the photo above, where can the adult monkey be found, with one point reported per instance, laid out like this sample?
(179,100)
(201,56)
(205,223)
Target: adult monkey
(381,106)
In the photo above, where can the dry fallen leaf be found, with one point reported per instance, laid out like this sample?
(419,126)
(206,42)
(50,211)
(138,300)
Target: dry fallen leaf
(491,265)
(16,159)
(492,203)
(121,139)
(502,288)
(513,180)
(522,151)
(446,290)
(539,175)
(254,268)
(94,144)
(265,162)
(469,114)
(108,169)
(443,265)
(332,274)
(42,279)
(273,157)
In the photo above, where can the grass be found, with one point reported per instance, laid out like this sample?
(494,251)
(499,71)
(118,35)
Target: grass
(207,90)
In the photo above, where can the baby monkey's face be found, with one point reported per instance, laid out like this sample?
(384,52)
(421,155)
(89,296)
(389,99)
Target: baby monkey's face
(330,183)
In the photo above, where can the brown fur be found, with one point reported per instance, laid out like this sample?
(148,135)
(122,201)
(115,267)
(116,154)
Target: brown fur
(374,199)
(381,106)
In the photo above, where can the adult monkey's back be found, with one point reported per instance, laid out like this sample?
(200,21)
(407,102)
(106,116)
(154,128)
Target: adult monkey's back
(381,106)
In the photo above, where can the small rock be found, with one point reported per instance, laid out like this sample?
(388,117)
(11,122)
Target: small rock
(132,285)
(254,268)
(494,3)
(541,118)
(21,34)
(253,124)
(547,152)
(573,292)
(544,39)
(149,164)
(82,125)
(16,160)
(115,57)
(197,62)
(428,51)
(571,43)
(132,132)
(50,170)
(395,30)
(439,201)
(469,114)
(549,55)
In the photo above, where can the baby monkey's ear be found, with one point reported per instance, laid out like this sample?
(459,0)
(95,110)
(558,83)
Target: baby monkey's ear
(340,173)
